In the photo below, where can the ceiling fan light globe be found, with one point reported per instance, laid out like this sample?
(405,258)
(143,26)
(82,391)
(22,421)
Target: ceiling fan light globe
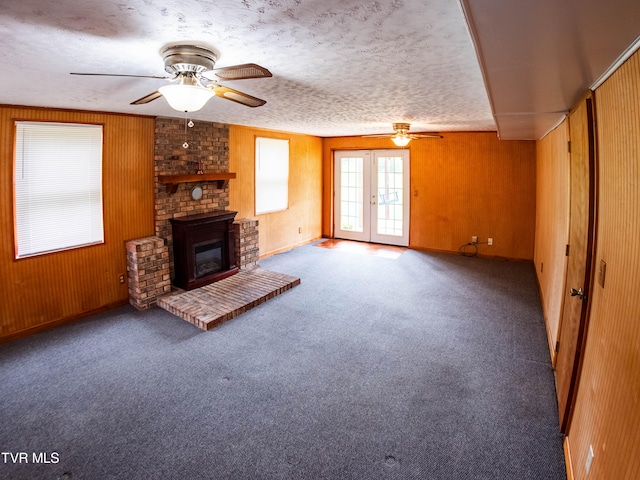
(186,98)
(401,140)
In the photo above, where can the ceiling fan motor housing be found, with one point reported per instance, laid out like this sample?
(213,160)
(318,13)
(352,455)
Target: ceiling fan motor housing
(401,127)
(188,59)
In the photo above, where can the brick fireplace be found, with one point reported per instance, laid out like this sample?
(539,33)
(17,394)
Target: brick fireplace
(208,152)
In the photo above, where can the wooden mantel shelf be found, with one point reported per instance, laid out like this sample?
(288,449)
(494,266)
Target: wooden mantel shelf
(173,181)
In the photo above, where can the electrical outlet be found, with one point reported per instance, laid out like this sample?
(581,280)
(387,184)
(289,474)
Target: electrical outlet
(587,464)
(299,229)
(490,241)
(474,239)
(121,278)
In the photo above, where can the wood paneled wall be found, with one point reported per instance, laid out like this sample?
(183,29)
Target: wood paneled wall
(465,184)
(552,226)
(607,411)
(41,291)
(301,222)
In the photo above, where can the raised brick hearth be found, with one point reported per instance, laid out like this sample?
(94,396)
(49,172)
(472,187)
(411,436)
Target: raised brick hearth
(209,306)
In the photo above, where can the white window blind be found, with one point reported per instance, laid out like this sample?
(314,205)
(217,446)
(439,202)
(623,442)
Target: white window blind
(58,187)
(272,175)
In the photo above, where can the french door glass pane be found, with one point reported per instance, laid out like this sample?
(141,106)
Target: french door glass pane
(351,194)
(390,195)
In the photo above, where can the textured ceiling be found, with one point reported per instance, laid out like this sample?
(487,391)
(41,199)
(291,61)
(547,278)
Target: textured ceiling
(340,67)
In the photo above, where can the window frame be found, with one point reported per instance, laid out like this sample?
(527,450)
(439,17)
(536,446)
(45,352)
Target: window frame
(89,175)
(271,155)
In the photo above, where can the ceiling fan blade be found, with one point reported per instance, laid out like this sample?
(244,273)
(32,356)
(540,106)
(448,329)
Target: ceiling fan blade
(236,96)
(412,136)
(147,98)
(417,136)
(402,132)
(119,75)
(239,72)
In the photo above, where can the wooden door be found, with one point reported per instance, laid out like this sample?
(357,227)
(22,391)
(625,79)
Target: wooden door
(573,327)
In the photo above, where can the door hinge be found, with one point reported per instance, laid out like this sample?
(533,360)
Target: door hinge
(569,146)
(557,346)
(566,252)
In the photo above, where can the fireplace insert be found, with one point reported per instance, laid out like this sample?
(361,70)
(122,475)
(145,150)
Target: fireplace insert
(203,249)
(208,257)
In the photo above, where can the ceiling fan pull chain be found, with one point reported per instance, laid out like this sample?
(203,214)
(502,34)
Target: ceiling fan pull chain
(190,124)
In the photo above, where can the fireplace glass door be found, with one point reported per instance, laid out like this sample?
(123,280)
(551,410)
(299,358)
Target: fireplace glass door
(207,258)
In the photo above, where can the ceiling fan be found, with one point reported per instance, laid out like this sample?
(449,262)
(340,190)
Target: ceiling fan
(194,80)
(402,137)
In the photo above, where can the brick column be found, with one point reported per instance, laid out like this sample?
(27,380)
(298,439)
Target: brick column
(148,271)
(246,243)
(209,151)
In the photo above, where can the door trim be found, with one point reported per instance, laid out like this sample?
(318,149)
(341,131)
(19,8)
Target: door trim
(364,235)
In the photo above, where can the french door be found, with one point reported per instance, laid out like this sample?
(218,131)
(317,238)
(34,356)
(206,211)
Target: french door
(372,196)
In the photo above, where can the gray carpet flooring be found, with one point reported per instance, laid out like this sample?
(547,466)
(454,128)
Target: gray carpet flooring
(429,366)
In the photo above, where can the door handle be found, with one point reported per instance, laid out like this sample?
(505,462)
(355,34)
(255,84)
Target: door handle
(578,293)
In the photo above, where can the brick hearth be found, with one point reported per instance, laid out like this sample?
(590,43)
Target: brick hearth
(209,306)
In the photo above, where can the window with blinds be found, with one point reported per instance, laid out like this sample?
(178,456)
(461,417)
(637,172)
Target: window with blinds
(58,187)
(272,175)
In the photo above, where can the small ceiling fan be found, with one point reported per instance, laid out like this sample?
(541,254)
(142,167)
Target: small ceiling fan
(194,80)
(402,137)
